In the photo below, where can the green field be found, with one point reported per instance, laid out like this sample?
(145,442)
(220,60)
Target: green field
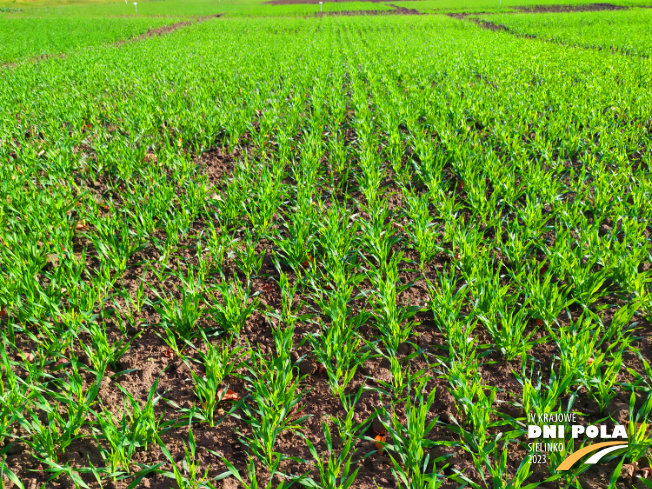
(178,8)
(274,248)
(626,31)
(21,38)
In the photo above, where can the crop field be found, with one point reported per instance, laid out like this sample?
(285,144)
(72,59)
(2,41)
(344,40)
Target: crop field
(626,31)
(24,37)
(276,248)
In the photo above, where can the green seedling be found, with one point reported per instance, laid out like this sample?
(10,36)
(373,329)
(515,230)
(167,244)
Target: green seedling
(409,444)
(252,482)
(248,260)
(219,363)
(233,307)
(336,471)
(122,436)
(273,404)
(99,352)
(179,316)
(189,475)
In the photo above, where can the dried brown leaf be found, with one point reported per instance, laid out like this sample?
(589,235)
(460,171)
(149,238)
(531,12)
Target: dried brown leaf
(628,470)
(229,395)
(380,439)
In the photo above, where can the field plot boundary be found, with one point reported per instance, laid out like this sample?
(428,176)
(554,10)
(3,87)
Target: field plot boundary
(167,29)
(155,32)
(485,24)
(396,11)
(32,59)
(589,7)
(550,9)
(316,2)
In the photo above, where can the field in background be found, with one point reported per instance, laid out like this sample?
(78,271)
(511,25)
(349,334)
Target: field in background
(25,37)
(626,31)
(178,8)
(54,27)
(275,248)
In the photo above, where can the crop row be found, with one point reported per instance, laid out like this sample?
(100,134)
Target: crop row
(452,239)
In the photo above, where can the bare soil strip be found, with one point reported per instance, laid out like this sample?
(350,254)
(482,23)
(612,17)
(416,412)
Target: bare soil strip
(159,31)
(403,10)
(491,26)
(591,7)
(539,9)
(166,29)
(499,27)
(32,59)
(485,24)
(397,11)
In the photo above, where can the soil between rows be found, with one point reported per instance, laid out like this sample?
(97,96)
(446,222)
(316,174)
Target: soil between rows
(148,357)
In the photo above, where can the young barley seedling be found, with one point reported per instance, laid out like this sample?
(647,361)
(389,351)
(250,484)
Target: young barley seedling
(218,363)
(273,403)
(189,475)
(335,472)
(600,377)
(392,319)
(99,352)
(253,483)
(409,443)
(179,317)
(234,306)
(135,429)
(248,260)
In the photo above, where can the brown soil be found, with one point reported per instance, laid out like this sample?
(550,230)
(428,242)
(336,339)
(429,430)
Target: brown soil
(166,29)
(591,7)
(148,359)
(403,10)
(33,59)
(397,11)
(489,25)
(159,31)
(482,23)
(502,28)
